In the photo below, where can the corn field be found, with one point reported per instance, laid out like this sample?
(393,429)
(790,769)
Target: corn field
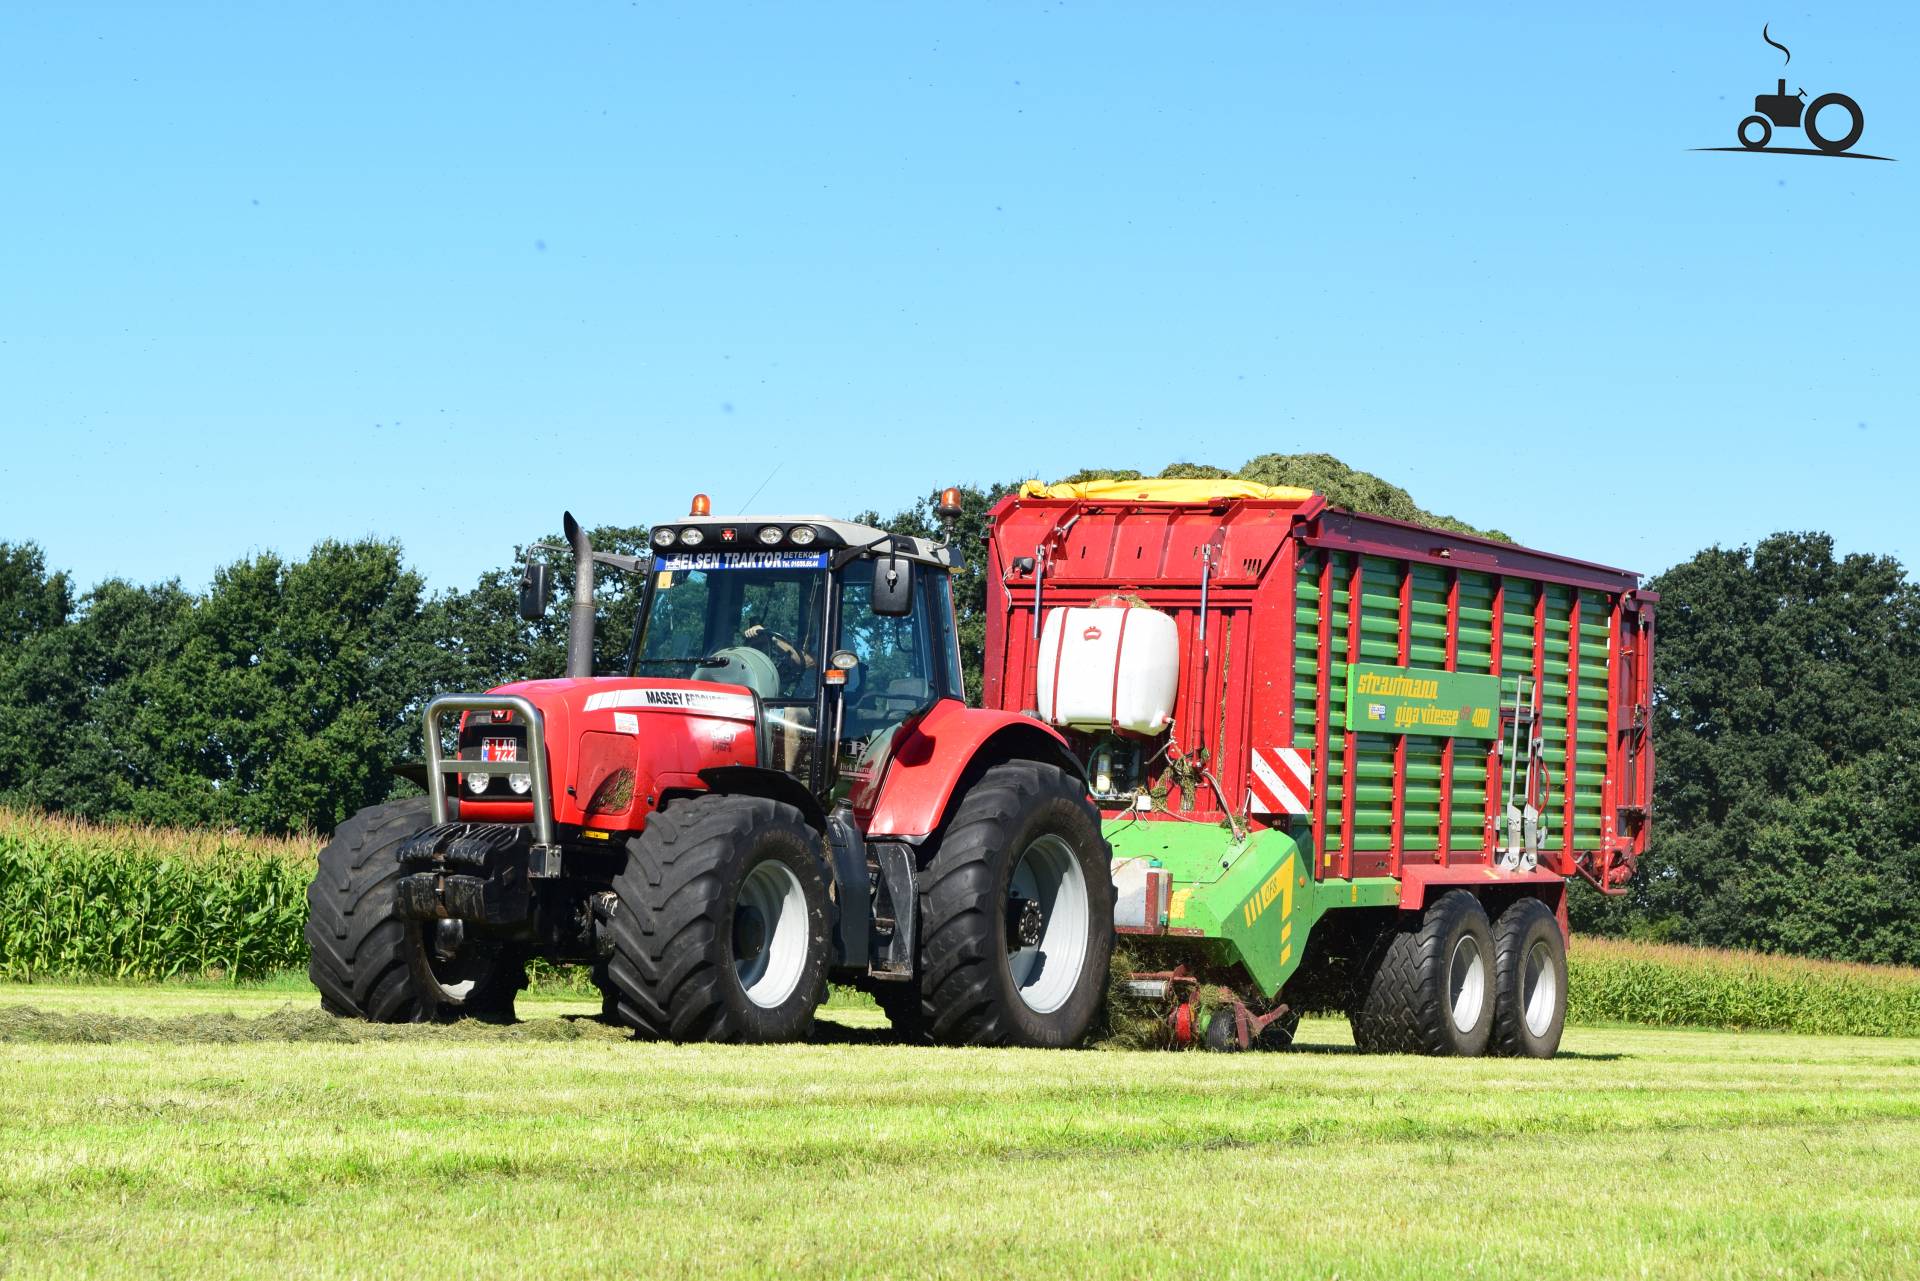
(1617,982)
(124,902)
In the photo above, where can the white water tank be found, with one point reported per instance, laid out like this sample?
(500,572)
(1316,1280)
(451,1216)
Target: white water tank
(1108,667)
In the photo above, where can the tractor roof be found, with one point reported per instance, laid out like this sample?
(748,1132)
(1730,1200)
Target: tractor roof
(830,535)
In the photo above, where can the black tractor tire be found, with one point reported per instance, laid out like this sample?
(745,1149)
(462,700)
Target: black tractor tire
(900,1002)
(969,994)
(1856,122)
(1529,980)
(684,949)
(369,962)
(1755,144)
(1427,984)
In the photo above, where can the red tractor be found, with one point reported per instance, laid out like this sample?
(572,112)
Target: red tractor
(781,786)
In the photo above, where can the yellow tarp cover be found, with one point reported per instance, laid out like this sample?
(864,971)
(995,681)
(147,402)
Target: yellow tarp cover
(1166,491)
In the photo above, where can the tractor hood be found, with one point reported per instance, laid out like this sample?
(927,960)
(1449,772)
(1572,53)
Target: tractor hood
(615,744)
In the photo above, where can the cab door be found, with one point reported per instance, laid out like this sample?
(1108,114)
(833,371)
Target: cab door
(899,668)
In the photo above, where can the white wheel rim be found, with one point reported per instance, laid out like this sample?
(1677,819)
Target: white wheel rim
(1047,971)
(771,899)
(1467,983)
(1539,988)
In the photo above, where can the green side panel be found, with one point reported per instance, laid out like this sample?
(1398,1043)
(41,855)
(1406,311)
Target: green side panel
(1572,698)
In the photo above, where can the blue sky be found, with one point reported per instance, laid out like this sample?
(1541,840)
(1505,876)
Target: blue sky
(276,273)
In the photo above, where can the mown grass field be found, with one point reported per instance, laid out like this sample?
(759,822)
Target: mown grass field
(556,1148)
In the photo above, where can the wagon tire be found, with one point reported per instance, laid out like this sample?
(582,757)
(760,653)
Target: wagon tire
(720,925)
(371,963)
(1530,981)
(1021,862)
(1426,987)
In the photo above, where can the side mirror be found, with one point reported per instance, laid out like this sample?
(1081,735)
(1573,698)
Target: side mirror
(892,586)
(533,591)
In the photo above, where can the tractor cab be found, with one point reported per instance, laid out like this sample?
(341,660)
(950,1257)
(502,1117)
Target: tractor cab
(839,631)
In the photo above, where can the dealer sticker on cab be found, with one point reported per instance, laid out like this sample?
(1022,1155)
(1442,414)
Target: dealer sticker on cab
(740,560)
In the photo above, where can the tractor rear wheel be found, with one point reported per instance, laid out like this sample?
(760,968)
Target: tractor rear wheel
(1427,986)
(721,928)
(1016,913)
(371,963)
(1530,981)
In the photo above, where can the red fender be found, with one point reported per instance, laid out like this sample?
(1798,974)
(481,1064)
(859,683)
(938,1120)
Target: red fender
(930,754)
(1422,882)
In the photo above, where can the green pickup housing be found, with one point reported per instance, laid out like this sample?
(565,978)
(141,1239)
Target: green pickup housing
(1251,902)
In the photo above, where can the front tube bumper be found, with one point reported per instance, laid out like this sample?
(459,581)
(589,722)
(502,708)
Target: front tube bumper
(545,855)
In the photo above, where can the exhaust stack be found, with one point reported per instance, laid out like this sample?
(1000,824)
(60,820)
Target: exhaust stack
(580,622)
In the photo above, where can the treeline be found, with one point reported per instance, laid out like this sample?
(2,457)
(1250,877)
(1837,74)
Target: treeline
(284,696)
(1786,774)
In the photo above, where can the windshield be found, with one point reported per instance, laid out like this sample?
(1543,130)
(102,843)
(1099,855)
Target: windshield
(739,618)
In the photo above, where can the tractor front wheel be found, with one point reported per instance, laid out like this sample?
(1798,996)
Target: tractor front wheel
(1016,913)
(371,963)
(720,932)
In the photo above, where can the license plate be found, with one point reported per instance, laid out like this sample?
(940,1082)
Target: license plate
(499,749)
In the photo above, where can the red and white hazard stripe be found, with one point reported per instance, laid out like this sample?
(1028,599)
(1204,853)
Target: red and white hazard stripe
(1281,782)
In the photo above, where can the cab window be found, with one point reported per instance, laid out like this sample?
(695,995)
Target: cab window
(894,676)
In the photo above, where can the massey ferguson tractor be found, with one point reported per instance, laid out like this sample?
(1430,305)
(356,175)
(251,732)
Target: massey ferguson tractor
(783,785)
(1293,757)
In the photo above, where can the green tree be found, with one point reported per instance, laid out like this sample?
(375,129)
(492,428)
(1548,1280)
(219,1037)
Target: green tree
(73,729)
(76,710)
(33,605)
(1787,682)
(32,601)
(292,691)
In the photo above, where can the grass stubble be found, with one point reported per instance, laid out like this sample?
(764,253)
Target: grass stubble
(196,1131)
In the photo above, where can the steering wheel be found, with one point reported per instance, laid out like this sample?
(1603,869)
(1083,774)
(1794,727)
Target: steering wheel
(780,648)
